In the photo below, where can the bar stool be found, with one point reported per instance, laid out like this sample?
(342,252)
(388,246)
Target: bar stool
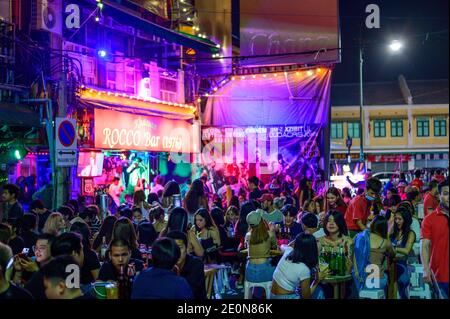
(248,288)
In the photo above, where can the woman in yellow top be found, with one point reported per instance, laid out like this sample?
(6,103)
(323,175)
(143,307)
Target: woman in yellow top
(207,233)
(260,241)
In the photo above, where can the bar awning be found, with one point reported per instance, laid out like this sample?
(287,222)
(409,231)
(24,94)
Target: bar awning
(136,105)
(129,17)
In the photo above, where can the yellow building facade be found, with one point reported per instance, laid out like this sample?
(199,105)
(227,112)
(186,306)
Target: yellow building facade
(404,136)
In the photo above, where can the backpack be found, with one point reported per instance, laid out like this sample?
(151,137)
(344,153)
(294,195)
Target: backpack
(361,258)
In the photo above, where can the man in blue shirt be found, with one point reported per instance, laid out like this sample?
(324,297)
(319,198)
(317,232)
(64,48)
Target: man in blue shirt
(160,281)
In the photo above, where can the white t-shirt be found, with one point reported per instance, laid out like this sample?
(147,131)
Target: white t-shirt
(288,275)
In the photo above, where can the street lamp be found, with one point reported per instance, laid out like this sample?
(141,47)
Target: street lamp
(394,46)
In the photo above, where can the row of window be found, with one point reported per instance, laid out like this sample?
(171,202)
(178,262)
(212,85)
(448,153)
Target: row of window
(337,130)
(379,129)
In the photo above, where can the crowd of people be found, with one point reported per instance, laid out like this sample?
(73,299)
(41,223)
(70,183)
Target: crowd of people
(293,236)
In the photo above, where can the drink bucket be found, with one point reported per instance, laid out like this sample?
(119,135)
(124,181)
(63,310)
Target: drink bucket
(100,289)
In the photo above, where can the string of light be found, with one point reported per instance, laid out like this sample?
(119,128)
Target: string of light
(135,97)
(308,72)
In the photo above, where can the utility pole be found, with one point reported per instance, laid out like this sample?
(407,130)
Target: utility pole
(62,173)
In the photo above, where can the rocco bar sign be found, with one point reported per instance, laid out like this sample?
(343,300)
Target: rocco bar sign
(124,131)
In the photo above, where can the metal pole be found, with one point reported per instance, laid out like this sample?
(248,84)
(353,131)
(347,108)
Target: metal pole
(361,102)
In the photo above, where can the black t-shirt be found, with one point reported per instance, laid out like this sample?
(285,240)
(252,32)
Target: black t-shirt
(15,292)
(91,262)
(108,272)
(42,219)
(136,254)
(36,286)
(194,273)
(14,211)
(17,245)
(255,194)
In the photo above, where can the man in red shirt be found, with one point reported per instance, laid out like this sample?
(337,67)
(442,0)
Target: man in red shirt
(358,210)
(417,182)
(431,198)
(434,248)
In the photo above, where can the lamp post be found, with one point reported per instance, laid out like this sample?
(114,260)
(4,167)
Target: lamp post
(394,47)
(361,102)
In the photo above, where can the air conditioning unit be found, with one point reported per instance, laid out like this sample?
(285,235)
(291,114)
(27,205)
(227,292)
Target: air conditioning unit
(47,15)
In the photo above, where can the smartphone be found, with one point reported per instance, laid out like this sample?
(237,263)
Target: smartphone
(24,253)
(177,200)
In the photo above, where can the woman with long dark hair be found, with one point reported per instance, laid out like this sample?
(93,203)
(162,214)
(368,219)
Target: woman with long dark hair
(178,220)
(106,231)
(295,269)
(336,240)
(380,246)
(195,199)
(124,230)
(304,191)
(170,189)
(217,215)
(402,239)
(207,234)
(334,201)
(336,235)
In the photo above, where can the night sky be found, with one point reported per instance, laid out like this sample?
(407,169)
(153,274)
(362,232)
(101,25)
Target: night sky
(421,59)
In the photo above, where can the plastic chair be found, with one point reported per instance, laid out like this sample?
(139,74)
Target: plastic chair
(248,286)
(372,294)
(421,293)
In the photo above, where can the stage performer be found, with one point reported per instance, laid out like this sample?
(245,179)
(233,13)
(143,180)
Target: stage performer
(136,172)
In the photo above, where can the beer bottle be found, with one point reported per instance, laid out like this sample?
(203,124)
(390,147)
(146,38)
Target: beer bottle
(103,249)
(341,262)
(123,284)
(322,259)
(327,255)
(333,261)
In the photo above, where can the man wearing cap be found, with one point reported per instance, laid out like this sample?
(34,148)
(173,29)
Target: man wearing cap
(275,216)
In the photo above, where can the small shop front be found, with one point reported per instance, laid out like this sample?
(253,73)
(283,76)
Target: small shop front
(124,148)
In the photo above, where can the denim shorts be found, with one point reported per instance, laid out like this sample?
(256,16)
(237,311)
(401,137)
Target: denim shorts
(259,272)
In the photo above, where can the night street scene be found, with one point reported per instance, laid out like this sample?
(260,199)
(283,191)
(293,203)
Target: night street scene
(224,152)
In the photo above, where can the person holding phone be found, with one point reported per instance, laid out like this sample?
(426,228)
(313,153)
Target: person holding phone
(9,290)
(27,270)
